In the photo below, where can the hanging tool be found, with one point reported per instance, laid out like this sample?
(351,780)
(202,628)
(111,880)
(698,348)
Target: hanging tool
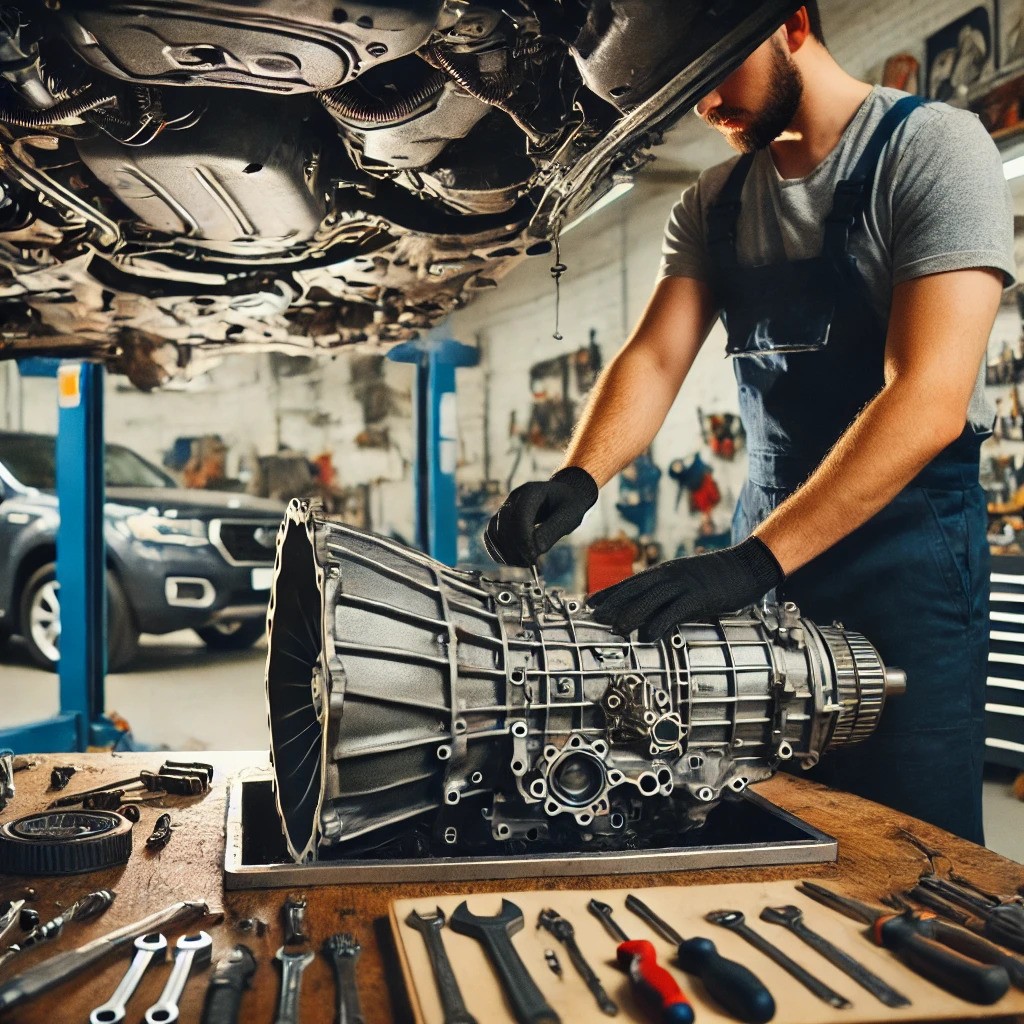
(149,949)
(736,922)
(495,935)
(452,1004)
(189,951)
(792,918)
(292,966)
(729,983)
(40,978)
(563,930)
(230,978)
(343,951)
(88,907)
(944,954)
(649,979)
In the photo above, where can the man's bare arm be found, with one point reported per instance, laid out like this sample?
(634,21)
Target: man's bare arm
(636,390)
(938,332)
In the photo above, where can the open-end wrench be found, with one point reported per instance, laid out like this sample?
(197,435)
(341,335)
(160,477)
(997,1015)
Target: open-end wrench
(292,966)
(495,935)
(793,918)
(452,1004)
(343,951)
(189,951)
(149,949)
(736,922)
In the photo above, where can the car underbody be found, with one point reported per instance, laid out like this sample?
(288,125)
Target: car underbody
(183,180)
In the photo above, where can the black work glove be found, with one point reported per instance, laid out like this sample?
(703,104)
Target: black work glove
(688,590)
(537,514)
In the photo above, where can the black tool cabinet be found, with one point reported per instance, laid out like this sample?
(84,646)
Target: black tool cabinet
(1004,698)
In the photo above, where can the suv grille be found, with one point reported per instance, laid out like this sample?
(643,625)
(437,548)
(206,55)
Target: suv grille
(247,542)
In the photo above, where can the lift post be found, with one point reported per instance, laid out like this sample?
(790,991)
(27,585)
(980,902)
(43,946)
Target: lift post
(436,511)
(81,568)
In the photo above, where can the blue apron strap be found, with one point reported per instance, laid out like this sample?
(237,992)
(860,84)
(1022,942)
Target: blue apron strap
(724,215)
(852,193)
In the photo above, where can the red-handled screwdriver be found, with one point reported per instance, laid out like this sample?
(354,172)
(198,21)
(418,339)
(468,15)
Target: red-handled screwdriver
(640,961)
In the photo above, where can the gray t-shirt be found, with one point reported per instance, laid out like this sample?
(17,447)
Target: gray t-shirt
(939,203)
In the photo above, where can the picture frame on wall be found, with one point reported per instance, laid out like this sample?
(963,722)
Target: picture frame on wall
(960,55)
(1010,29)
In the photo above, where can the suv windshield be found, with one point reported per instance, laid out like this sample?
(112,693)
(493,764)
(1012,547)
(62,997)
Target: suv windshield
(32,461)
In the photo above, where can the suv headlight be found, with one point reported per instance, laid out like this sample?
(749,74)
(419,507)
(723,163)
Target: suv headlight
(154,529)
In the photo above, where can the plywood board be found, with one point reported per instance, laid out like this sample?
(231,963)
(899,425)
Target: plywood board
(684,908)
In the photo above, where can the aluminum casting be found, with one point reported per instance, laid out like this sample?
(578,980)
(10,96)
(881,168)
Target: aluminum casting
(416,709)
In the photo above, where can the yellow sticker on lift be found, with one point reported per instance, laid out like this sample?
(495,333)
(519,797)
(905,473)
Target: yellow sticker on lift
(69,386)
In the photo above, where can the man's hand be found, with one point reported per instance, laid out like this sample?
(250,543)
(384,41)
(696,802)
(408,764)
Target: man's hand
(537,514)
(688,589)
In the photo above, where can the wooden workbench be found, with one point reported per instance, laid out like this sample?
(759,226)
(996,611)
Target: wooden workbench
(872,861)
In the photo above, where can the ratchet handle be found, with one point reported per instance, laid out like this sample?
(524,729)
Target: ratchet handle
(978,983)
(738,990)
(651,981)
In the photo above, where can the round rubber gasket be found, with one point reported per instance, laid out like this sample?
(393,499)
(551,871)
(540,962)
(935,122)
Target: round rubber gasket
(64,842)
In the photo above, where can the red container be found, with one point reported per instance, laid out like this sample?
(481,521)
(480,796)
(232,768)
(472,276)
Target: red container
(609,562)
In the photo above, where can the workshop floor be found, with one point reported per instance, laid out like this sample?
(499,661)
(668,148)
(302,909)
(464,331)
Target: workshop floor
(180,696)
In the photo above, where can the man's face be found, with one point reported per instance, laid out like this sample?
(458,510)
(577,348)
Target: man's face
(757,102)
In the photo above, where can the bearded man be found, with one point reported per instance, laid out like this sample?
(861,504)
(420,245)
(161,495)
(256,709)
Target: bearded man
(855,252)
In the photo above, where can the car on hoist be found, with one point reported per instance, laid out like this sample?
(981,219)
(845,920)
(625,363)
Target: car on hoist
(176,559)
(181,181)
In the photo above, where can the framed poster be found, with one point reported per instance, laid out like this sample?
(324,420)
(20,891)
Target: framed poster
(960,55)
(1010,18)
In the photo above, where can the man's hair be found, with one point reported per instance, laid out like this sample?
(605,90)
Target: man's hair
(814,17)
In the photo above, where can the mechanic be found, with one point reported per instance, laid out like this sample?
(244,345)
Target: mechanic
(856,252)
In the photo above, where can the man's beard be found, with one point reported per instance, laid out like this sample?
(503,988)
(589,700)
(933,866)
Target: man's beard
(784,93)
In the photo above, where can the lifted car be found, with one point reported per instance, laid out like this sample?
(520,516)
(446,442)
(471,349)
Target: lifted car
(176,559)
(178,181)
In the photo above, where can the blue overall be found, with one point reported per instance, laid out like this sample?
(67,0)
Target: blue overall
(809,354)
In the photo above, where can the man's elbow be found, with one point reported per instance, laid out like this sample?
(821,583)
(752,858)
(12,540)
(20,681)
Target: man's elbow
(943,424)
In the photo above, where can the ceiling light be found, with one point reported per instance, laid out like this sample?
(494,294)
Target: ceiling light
(617,191)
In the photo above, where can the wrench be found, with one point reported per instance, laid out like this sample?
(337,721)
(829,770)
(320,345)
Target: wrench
(343,951)
(793,918)
(452,1003)
(735,921)
(495,935)
(292,966)
(189,951)
(563,930)
(149,949)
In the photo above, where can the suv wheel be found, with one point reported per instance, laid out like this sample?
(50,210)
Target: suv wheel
(40,621)
(232,636)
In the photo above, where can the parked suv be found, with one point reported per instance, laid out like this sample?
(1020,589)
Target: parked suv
(176,559)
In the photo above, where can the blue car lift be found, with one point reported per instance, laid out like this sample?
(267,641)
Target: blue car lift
(436,512)
(81,567)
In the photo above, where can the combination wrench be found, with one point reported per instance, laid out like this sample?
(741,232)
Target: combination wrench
(343,951)
(453,1006)
(189,951)
(292,966)
(149,949)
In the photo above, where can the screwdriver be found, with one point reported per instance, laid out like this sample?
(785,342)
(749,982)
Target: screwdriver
(729,983)
(649,979)
(914,940)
